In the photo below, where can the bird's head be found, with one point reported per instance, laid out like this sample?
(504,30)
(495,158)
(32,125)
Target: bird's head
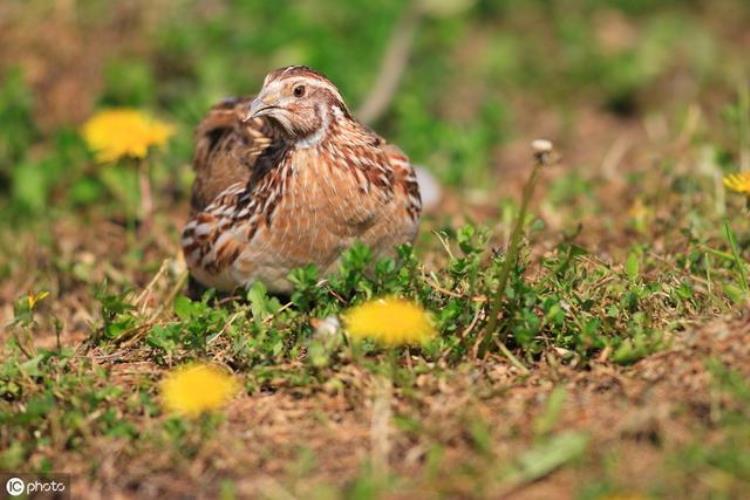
(301,102)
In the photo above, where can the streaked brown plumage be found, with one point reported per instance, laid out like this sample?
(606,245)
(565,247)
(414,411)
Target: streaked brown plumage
(290,179)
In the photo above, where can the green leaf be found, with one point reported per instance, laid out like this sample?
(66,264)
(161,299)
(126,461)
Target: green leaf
(183,307)
(546,421)
(260,303)
(633,265)
(30,186)
(545,457)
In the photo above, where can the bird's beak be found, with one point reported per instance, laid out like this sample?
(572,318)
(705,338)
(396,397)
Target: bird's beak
(259,107)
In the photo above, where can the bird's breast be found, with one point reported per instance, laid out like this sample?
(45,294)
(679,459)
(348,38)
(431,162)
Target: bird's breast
(332,190)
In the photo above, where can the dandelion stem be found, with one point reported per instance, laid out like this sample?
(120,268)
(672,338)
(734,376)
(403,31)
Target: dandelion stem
(380,443)
(147,201)
(542,157)
(741,271)
(355,349)
(743,106)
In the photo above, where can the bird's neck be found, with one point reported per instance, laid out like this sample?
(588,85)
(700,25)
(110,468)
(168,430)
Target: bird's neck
(328,120)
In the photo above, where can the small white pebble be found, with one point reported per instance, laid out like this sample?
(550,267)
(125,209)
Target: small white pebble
(327,327)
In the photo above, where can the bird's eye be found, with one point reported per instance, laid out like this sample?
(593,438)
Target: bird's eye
(299,91)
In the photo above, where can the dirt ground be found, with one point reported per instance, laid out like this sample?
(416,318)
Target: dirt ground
(285,442)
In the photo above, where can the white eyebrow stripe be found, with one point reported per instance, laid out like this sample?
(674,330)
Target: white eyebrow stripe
(276,85)
(314,82)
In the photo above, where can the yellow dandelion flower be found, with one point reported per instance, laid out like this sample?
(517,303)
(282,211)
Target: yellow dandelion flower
(194,389)
(739,183)
(123,132)
(638,210)
(640,214)
(391,321)
(33,298)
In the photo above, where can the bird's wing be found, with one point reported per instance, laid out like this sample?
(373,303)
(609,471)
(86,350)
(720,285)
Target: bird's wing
(404,180)
(216,234)
(381,169)
(226,150)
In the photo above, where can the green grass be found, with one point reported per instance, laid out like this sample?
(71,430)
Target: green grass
(628,248)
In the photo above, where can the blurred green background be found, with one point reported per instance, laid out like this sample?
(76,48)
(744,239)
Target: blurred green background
(480,75)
